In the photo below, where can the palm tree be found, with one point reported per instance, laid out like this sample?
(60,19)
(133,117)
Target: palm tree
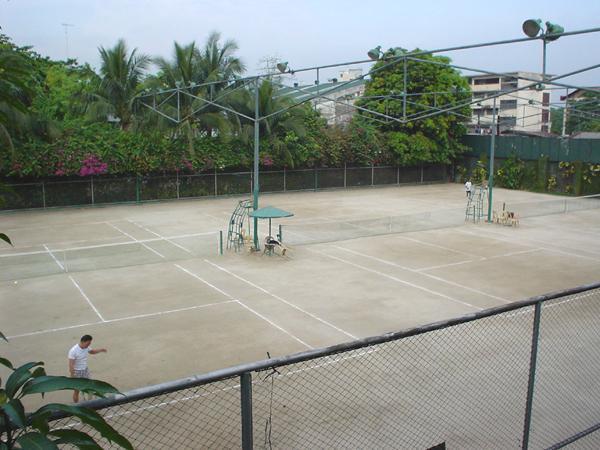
(273,129)
(191,68)
(15,93)
(121,76)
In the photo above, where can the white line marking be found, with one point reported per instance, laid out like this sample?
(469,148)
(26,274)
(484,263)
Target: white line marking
(281,299)
(171,311)
(161,237)
(437,246)
(54,258)
(86,298)
(53,330)
(275,325)
(521,241)
(120,319)
(428,275)
(242,304)
(112,244)
(441,266)
(396,279)
(135,240)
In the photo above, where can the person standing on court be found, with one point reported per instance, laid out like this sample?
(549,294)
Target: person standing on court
(78,360)
(468,186)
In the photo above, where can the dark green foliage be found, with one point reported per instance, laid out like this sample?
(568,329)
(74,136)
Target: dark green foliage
(434,137)
(511,174)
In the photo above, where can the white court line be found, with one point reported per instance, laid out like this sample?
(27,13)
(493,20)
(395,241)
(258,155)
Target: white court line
(521,241)
(281,299)
(112,244)
(447,297)
(441,266)
(428,275)
(437,246)
(135,240)
(120,319)
(54,258)
(483,258)
(158,235)
(243,305)
(86,298)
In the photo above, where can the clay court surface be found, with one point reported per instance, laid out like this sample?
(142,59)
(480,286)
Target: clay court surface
(148,283)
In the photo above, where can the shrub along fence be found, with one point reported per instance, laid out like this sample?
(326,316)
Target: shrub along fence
(106,190)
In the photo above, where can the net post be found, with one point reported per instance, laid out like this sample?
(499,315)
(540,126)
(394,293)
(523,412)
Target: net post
(316,178)
(220,242)
(372,174)
(246,410)
(92,187)
(44,194)
(280,235)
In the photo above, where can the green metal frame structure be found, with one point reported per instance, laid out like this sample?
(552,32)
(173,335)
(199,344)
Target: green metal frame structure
(149,100)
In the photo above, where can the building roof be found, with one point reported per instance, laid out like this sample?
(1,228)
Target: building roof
(312,90)
(577,93)
(585,135)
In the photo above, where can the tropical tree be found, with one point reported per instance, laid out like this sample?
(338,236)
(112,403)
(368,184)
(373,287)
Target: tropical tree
(15,88)
(432,85)
(121,75)
(284,122)
(188,71)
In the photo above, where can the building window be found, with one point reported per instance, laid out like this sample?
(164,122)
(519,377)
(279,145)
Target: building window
(479,81)
(509,121)
(508,104)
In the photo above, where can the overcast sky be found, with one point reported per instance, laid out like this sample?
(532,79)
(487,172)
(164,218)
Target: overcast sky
(310,32)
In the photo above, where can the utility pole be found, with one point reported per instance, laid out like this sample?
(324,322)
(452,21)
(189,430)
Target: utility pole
(66,26)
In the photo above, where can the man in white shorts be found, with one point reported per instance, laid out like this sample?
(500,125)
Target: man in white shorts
(78,356)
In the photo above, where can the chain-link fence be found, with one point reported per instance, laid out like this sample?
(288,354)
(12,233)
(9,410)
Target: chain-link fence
(102,190)
(524,375)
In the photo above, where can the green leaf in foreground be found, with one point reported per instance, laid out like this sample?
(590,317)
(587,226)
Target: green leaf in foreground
(50,383)
(91,418)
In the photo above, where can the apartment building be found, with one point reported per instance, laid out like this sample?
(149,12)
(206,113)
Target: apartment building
(523,110)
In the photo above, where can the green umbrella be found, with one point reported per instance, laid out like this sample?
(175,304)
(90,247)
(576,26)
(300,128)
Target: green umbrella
(270,212)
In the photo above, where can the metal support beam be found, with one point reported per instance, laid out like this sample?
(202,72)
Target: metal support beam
(246,400)
(535,336)
(491,174)
(256,186)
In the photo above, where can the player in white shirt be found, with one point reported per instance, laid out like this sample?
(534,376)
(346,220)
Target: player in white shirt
(78,357)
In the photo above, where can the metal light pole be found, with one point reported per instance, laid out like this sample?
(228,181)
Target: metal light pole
(491,174)
(255,188)
(564,119)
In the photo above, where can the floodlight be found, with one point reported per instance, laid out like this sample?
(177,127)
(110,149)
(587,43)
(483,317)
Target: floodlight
(375,53)
(532,27)
(282,67)
(552,28)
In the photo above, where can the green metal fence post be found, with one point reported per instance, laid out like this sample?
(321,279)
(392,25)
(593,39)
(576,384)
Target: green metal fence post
(246,399)
(137,188)
(345,170)
(220,242)
(316,179)
(492,156)
(532,367)
(92,187)
(372,175)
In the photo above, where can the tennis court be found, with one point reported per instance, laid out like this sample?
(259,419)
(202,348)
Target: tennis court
(147,281)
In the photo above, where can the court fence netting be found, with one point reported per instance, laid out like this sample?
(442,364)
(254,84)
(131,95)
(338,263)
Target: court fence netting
(523,375)
(130,189)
